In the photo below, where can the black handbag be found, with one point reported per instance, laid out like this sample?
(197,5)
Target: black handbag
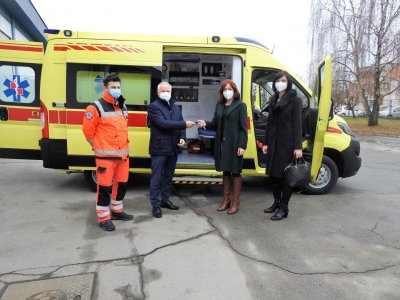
(298,173)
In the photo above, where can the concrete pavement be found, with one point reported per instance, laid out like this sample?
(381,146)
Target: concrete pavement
(344,245)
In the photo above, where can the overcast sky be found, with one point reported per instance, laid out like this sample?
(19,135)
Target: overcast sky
(279,23)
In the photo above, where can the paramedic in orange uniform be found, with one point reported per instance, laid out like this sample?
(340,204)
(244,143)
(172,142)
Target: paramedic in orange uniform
(105,126)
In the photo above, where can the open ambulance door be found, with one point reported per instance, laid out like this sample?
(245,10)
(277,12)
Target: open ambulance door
(20,70)
(322,99)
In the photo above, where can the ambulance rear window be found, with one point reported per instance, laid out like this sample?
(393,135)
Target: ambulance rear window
(85,84)
(135,86)
(18,84)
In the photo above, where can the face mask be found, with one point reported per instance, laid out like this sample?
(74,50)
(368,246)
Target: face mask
(115,93)
(280,86)
(165,96)
(228,94)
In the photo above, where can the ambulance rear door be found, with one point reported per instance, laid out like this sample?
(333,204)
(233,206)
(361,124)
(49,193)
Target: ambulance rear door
(322,99)
(20,70)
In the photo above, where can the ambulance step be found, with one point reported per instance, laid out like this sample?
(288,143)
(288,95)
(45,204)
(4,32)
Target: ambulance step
(196,180)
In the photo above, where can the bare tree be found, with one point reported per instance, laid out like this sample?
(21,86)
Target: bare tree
(363,37)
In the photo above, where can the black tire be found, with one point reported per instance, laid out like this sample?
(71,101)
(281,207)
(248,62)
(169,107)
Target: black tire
(327,178)
(390,117)
(343,115)
(90,177)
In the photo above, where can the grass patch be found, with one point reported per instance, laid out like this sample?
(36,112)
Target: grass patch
(385,127)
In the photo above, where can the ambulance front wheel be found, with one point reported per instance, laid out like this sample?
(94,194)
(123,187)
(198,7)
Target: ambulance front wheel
(91,179)
(326,180)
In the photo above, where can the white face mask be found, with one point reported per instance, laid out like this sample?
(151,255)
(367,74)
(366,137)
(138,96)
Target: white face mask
(165,96)
(228,94)
(280,86)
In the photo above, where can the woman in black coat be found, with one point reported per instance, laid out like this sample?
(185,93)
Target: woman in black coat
(282,141)
(230,123)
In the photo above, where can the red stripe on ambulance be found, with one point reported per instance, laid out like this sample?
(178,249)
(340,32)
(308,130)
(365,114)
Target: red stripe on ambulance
(23,114)
(97,47)
(20,48)
(76,117)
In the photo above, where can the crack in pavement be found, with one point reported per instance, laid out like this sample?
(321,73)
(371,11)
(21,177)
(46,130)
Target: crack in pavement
(186,200)
(135,259)
(377,233)
(373,230)
(139,259)
(181,241)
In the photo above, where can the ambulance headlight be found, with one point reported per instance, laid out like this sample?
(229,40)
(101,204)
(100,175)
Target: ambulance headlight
(345,128)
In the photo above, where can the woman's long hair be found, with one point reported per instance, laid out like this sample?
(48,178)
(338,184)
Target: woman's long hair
(223,84)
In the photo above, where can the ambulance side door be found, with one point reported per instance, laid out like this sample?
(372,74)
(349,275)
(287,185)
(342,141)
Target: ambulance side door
(20,71)
(322,99)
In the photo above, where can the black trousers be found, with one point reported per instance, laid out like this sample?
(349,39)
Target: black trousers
(162,172)
(231,174)
(281,191)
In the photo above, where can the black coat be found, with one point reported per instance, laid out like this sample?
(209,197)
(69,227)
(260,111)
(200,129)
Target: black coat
(233,137)
(283,132)
(167,127)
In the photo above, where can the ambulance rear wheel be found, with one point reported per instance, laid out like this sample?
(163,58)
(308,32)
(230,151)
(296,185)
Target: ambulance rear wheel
(91,179)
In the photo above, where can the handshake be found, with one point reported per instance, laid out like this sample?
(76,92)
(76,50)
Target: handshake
(200,123)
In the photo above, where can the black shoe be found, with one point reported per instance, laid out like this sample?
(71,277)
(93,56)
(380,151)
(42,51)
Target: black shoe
(123,216)
(157,212)
(107,225)
(280,214)
(272,208)
(169,205)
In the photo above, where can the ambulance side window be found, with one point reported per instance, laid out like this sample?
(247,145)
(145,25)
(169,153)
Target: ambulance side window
(85,84)
(19,84)
(264,79)
(301,95)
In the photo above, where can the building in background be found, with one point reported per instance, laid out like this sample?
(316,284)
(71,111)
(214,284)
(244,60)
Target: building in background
(20,21)
(390,86)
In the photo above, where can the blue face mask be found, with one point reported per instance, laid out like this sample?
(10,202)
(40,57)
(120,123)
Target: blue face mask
(115,93)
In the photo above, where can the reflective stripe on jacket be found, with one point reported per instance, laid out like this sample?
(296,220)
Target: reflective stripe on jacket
(105,127)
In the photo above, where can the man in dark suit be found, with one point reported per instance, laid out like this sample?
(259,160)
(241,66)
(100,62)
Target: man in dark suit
(167,137)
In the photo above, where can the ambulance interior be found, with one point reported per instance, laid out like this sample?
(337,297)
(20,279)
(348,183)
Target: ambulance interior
(195,79)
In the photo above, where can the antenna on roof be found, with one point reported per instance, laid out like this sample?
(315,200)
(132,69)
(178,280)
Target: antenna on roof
(273,48)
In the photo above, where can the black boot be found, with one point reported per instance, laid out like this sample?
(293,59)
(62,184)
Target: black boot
(107,225)
(123,216)
(282,212)
(272,208)
(277,198)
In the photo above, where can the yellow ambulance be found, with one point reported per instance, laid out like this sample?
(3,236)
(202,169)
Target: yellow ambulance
(46,88)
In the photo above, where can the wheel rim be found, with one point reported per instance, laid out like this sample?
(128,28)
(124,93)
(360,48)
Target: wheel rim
(324,176)
(94,178)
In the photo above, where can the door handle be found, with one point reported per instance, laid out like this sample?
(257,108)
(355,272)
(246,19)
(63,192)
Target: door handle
(3,113)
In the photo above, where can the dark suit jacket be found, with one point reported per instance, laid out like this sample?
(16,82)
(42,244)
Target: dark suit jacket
(167,127)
